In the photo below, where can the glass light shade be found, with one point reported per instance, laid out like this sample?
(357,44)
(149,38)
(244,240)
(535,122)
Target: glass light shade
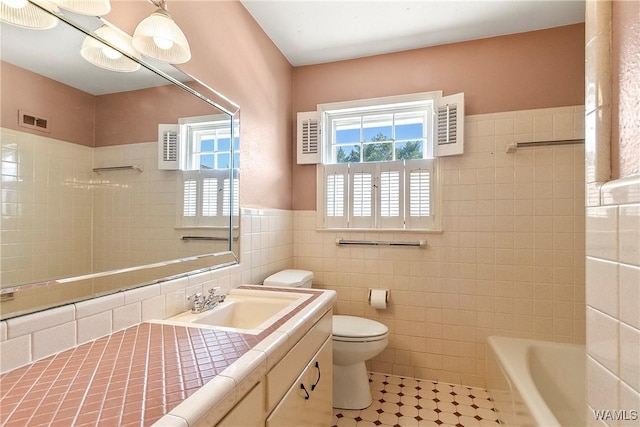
(106,57)
(85,7)
(23,14)
(159,37)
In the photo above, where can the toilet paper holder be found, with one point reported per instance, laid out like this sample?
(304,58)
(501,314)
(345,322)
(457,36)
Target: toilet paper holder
(386,294)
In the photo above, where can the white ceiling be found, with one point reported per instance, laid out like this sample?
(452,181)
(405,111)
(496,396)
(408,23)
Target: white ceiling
(317,31)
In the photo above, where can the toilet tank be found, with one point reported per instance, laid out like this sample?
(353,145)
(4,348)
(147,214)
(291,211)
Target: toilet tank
(290,279)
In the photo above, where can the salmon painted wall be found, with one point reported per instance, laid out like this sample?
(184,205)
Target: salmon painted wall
(232,54)
(537,69)
(133,116)
(625,93)
(70,111)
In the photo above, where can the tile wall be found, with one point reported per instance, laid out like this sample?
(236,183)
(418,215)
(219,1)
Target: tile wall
(509,262)
(613,302)
(612,233)
(46,208)
(135,213)
(266,247)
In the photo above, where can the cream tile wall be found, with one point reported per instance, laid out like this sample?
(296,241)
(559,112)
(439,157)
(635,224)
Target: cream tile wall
(135,214)
(509,262)
(612,238)
(266,243)
(613,303)
(46,208)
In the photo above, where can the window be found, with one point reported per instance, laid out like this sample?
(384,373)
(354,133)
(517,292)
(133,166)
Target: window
(380,160)
(208,144)
(208,156)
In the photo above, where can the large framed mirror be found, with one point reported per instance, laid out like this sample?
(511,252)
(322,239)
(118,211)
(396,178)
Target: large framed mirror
(110,180)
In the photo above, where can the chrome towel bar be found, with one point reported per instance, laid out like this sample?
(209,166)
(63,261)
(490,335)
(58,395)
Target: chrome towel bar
(419,243)
(512,147)
(139,168)
(204,238)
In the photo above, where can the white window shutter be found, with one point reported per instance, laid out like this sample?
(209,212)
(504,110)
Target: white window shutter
(168,147)
(419,178)
(230,199)
(214,192)
(188,213)
(335,197)
(308,138)
(391,195)
(449,136)
(362,195)
(209,197)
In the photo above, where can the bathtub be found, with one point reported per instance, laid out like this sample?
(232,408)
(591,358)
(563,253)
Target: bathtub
(537,383)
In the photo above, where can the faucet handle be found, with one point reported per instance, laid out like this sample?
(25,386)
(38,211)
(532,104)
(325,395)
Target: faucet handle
(212,291)
(195,297)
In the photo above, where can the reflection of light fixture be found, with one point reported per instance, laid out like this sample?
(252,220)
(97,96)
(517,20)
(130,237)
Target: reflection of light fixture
(105,56)
(85,7)
(22,13)
(159,37)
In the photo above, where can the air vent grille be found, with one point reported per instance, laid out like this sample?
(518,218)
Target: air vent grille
(33,121)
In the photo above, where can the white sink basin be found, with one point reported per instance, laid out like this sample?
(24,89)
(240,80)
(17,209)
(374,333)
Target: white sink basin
(246,311)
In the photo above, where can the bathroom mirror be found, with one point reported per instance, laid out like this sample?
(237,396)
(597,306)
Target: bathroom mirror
(90,205)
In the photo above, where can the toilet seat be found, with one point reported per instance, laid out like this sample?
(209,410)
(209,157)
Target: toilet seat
(357,329)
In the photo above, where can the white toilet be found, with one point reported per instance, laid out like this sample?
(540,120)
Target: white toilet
(355,339)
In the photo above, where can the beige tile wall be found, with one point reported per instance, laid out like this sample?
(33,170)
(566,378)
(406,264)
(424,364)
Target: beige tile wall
(613,302)
(135,213)
(612,233)
(46,208)
(510,261)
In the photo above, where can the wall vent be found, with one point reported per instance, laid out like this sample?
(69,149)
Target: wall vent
(33,121)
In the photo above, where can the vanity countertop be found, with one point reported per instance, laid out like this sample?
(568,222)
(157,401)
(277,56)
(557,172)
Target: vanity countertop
(153,373)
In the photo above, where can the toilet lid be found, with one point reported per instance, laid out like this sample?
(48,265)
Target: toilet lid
(357,327)
(288,278)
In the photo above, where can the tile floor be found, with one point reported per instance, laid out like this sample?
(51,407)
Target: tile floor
(407,402)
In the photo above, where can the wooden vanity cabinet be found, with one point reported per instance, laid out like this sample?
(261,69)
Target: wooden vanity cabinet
(308,401)
(297,391)
(249,412)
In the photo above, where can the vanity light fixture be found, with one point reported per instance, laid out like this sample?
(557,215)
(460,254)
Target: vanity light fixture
(25,14)
(104,56)
(159,37)
(85,7)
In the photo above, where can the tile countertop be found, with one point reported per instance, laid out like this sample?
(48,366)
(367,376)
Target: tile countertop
(154,373)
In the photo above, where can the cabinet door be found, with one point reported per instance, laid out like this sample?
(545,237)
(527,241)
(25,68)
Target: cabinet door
(308,402)
(249,412)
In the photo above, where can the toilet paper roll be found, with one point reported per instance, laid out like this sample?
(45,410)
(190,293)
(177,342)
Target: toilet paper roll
(378,298)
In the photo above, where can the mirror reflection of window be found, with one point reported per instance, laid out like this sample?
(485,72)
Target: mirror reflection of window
(209,192)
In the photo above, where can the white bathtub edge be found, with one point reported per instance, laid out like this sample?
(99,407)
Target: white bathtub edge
(512,356)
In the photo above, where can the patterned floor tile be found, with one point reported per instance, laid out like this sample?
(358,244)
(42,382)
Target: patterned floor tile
(407,402)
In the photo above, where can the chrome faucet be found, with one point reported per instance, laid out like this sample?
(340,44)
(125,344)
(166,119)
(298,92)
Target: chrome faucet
(202,303)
